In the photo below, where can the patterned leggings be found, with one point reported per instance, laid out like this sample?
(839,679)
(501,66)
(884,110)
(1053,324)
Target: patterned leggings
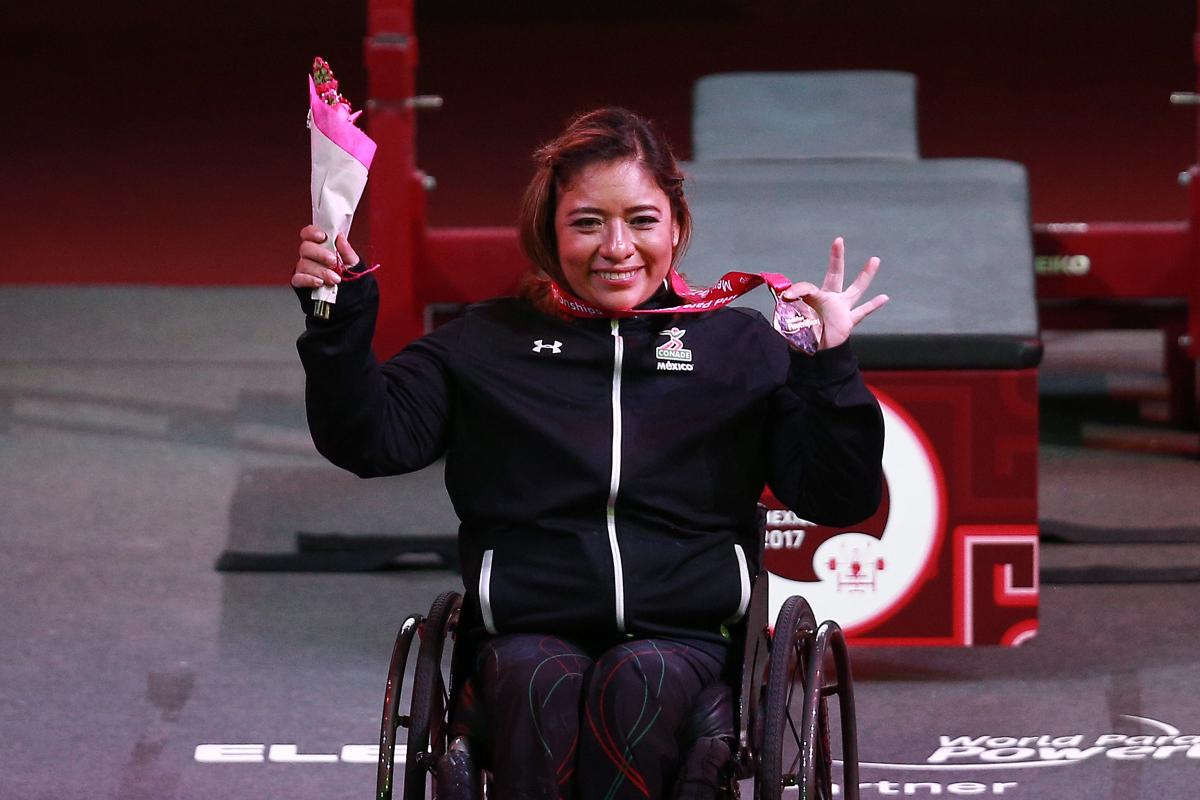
(565,722)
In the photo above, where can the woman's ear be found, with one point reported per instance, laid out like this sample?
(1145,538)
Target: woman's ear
(674,234)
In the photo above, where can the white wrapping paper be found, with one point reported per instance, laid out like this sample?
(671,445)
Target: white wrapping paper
(341,160)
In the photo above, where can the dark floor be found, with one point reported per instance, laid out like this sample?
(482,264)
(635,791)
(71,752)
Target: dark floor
(143,432)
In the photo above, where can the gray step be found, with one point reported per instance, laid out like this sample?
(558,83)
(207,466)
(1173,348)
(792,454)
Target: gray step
(836,114)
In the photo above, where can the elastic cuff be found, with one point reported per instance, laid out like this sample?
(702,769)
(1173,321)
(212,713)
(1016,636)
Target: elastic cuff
(825,366)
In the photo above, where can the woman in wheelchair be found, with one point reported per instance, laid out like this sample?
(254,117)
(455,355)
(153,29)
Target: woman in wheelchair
(607,435)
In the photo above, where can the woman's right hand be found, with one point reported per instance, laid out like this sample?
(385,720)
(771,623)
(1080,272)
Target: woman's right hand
(316,266)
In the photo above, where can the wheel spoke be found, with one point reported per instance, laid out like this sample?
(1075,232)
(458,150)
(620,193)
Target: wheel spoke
(795,765)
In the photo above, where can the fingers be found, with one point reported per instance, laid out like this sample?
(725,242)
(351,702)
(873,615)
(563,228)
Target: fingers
(310,275)
(837,266)
(349,257)
(799,290)
(863,281)
(316,265)
(835,278)
(311,233)
(874,304)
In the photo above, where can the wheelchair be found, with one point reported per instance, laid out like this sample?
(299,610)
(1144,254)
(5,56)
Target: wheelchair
(788,672)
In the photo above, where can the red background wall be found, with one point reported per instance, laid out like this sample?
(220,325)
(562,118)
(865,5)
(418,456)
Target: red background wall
(165,143)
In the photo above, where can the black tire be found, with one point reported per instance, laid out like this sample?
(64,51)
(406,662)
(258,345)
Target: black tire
(427,724)
(391,706)
(752,694)
(755,705)
(783,722)
(830,638)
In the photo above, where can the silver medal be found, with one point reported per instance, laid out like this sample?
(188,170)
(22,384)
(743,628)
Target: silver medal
(798,323)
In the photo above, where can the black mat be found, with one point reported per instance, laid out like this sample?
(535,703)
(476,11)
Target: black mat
(1053,530)
(1120,574)
(340,552)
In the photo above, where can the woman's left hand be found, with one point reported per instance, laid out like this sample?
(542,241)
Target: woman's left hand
(837,307)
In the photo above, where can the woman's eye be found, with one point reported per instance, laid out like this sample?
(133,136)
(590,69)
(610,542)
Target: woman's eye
(586,223)
(643,221)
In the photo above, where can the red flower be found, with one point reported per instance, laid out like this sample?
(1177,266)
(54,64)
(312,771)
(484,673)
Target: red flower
(326,84)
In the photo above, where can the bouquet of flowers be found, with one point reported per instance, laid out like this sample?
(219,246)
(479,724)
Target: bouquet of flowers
(341,159)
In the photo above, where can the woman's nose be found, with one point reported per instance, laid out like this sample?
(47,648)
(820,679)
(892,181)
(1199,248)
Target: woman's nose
(617,244)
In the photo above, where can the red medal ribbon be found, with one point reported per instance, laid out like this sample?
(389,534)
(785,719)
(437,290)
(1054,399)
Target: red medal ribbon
(794,320)
(730,287)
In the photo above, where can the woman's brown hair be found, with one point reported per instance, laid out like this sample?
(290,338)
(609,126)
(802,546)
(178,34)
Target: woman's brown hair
(602,135)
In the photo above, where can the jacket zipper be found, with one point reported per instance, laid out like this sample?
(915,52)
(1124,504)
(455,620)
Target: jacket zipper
(744,580)
(614,484)
(485,592)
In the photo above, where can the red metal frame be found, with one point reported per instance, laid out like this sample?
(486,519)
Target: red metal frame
(396,194)
(1112,260)
(1131,274)
(424,266)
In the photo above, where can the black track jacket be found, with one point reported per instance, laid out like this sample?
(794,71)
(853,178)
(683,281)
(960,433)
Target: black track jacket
(605,483)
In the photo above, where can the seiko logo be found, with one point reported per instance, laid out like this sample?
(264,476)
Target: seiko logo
(538,346)
(1072,265)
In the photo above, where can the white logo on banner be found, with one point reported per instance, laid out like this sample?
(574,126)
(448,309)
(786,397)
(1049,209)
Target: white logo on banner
(973,764)
(862,577)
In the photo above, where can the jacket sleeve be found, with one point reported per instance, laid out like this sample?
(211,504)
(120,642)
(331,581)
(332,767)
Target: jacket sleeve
(365,417)
(826,444)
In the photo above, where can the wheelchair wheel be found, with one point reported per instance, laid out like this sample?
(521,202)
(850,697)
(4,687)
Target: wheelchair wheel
(391,706)
(786,731)
(427,723)
(796,721)
(752,697)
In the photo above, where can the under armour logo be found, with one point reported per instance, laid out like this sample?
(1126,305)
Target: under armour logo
(553,348)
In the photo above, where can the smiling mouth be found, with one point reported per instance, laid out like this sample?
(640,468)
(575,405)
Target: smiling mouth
(617,276)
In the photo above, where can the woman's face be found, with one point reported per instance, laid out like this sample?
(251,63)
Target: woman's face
(616,235)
